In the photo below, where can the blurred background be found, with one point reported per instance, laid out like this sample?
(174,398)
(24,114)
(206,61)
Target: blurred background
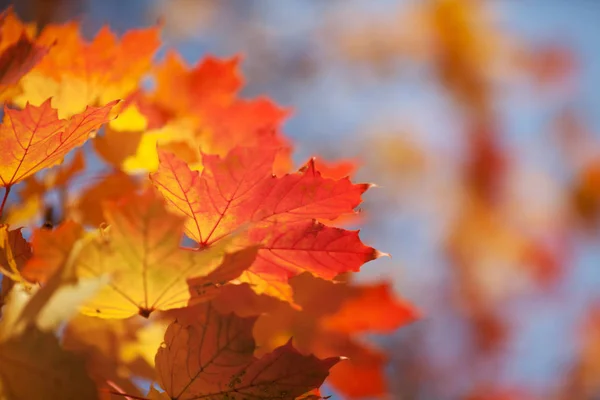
(478,121)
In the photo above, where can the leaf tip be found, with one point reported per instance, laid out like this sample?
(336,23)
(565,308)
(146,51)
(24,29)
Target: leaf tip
(378,254)
(114,102)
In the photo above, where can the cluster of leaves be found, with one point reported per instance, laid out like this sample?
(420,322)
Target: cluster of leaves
(501,206)
(260,306)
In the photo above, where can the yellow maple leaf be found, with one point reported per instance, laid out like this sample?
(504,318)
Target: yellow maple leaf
(140,251)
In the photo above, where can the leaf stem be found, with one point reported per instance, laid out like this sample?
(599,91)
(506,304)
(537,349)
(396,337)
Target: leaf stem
(6,193)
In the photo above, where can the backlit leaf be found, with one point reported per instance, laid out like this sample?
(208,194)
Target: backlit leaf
(77,73)
(184,90)
(140,251)
(202,350)
(241,189)
(34,138)
(211,357)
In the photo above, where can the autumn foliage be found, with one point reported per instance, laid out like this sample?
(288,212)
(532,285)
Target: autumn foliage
(197,260)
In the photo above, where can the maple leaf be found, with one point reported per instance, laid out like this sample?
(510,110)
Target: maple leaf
(241,189)
(117,60)
(77,74)
(203,113)
(211,356)
(184,90)
(34,366)
(140,250)
(202,350)
(34,138)
(248,122)
(204,97)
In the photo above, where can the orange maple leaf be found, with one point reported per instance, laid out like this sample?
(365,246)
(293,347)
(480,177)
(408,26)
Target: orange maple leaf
(248,122)
(106,57)
(209,355)
(76,73)
(35,138)
(186,91)
(206,95)
(211,346)
(241,189)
